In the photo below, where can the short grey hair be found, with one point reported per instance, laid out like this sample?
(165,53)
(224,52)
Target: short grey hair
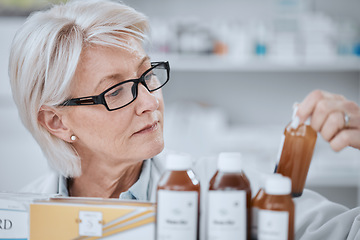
(45,53)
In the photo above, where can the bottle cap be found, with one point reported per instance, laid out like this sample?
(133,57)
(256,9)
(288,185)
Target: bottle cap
(263,178)
(178,162)
(278,185)
(230,162)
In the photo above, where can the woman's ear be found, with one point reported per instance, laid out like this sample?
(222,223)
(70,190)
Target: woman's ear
(51,120)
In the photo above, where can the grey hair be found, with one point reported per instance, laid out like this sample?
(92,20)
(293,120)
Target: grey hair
(45,53)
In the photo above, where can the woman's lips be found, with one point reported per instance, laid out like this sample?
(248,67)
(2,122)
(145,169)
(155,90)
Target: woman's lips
(148,128)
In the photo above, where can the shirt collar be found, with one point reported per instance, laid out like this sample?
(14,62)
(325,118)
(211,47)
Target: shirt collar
(139,191)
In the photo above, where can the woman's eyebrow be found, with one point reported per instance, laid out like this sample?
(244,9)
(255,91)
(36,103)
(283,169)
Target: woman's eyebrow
(119,75)
(144,59)
(107,78)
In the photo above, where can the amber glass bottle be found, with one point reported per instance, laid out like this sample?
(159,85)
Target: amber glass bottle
(296,154)
(276,211)
(256,202)
(178,201)
(229,201)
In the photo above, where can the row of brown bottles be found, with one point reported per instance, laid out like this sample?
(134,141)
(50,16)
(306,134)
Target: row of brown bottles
(229,201)
(231,212)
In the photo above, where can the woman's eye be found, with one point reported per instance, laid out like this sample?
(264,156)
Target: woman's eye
(149,76)
(114,93)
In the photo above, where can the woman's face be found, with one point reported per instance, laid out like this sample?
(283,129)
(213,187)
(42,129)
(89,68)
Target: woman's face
(127,135)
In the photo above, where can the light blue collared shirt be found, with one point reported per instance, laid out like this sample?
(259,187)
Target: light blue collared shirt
(138,191)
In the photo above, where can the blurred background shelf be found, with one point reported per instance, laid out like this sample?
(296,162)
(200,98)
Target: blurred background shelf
(211,63)
(235,76)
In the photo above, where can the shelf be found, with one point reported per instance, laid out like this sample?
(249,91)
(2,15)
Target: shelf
(211,63)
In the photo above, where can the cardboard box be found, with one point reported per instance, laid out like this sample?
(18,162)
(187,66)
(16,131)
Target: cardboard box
(91,218)
(14,214)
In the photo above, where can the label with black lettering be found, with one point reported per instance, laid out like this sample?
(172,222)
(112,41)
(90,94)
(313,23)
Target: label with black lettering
(177,214)
(273,225)
(13,224)
(227,217)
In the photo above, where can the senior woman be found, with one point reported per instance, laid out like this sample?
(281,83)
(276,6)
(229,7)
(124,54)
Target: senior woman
(91,97)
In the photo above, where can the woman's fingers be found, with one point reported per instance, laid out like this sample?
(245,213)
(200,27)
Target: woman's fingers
(320,105)
(307,106)
(333,124)
(346,137)
(324,111)
(336,118)
(352,111)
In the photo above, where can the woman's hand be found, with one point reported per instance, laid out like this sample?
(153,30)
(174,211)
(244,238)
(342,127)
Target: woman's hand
(336,118)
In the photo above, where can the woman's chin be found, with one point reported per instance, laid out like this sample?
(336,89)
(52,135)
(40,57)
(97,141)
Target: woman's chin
(156,148)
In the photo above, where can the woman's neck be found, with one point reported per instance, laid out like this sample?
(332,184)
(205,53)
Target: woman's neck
(105,182)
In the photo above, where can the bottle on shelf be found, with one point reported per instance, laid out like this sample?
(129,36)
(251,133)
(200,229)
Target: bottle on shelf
(276,211)
(256,202)
(297,148)
(229,200)
(178,200)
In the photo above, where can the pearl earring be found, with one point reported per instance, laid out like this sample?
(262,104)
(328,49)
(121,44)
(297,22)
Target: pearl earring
(73,137)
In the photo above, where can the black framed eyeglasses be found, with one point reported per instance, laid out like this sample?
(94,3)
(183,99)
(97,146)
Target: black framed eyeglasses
(124,93)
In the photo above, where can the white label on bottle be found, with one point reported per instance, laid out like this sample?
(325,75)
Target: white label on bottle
(273,225)
(177,214)
(227,215)
(254,225)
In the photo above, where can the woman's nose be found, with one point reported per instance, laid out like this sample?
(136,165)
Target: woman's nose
(145,100)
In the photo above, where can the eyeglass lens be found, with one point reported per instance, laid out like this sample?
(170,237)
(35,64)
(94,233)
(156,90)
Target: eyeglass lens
(126,92)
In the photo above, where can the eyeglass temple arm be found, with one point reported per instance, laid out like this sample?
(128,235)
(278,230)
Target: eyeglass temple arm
(82,101)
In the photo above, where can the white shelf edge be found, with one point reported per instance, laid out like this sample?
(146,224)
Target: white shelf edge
(211,63)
